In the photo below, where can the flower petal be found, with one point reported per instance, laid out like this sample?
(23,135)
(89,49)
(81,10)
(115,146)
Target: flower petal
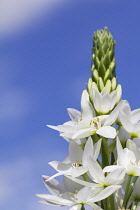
(83,133)
(70,184)
(86,107)
(67,135)
(105,193)
(106,104)
(113,96)
(133,170)
(116,176)
(55,199)
(121,156)
(88,150)
(95,170)
(82,182)
(53,186)
(134,148)
(74,114)
(107,132)
(114,114)
(49,203)
(76,207)
(97,99)
(96,148)
(75,152)
(59,166)
(135,116)
(126,122)
(78,171)
(83,194)
(94,206)
(63,128)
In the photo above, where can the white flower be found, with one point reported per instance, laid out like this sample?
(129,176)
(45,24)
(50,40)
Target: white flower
(77,162)
(88,124)
(98,175)
(104,102)
(114,115)
(72,194)
(129,158)
(130,121)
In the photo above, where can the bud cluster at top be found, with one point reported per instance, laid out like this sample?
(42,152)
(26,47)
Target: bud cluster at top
(103,62)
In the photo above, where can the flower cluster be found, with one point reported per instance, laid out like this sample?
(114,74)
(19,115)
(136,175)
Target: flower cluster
(103,166)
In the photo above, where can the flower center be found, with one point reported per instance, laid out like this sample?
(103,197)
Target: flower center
(136,163)
(77,163)
(72,195)
(95,123)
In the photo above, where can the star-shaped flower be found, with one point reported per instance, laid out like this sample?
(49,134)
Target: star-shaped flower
(77,162)
(86,124)
(73,194)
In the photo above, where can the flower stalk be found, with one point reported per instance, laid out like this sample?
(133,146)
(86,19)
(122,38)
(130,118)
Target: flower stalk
(127,190)
(82,208)
(102,152)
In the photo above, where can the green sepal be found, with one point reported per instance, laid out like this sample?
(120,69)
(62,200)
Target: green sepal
(105,153)
(94,85)
(114,83)
(101,69)
(108,86)
(95,75)
(108,75)
(107,60)
(100,84)
(96,62)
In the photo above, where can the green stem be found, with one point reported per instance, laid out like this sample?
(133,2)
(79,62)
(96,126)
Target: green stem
(132,186)
(127,190)
(130,206)
(82,208)
(105,153)
(110,202)
(105,204)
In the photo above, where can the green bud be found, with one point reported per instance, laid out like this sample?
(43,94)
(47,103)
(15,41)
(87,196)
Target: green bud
(100,84)
(94,85)
(108,75)
(95,75)
(96,61)
(114,83)
(107,59)
(119,93)
(89,85)
(89,88)
(103,63)
(101,69)
(108,86)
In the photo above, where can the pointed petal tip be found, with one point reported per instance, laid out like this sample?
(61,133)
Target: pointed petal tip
(50,126)
(38,195)
(45,177)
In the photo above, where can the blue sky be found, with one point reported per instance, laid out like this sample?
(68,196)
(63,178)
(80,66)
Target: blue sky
(45,53)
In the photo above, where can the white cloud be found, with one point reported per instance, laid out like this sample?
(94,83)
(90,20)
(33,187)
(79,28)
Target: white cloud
(19,185)
(15,14)
(12,179)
